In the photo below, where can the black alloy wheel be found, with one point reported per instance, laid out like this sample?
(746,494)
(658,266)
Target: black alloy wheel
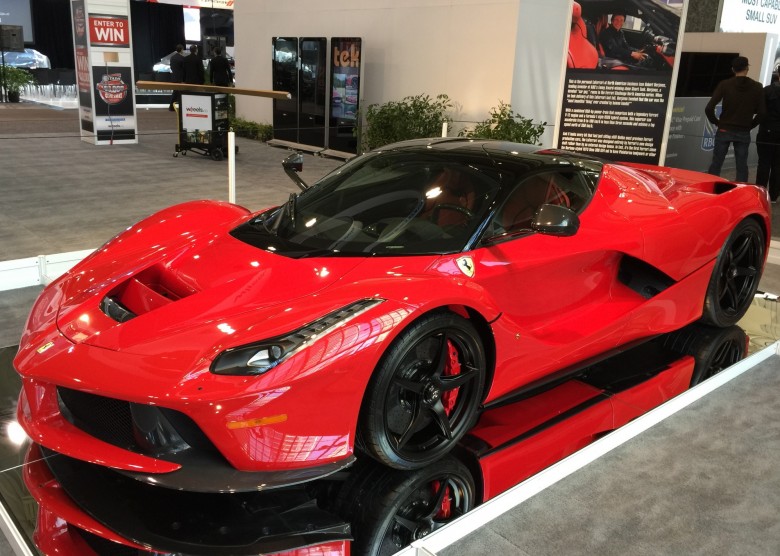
(713,349)
(424,394)
(735,277)
(390,509)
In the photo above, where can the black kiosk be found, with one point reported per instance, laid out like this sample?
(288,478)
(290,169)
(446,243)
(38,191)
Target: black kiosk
(203,124)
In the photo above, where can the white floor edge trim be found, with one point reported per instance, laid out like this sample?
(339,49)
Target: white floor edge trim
(39,270)
(453,532)
(12,534)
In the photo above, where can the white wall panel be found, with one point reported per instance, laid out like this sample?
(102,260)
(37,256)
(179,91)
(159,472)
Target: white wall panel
(464,48)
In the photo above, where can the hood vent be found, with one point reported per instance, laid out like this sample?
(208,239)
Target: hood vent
(138,295)
(114,309)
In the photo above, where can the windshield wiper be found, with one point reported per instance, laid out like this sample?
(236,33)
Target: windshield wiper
(286,210)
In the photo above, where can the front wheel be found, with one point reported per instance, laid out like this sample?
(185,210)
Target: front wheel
(390,509)
(425,393)
(735,277)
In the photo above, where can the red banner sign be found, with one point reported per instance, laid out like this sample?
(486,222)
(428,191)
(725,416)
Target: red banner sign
(109,30)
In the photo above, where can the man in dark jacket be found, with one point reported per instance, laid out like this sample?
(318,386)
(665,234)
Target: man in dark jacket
(743,109)
(768,141)
(177,73)
(219,69)
(614,42)
(193,67)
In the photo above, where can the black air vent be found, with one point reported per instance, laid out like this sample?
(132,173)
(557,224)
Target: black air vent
(112,308)
(104,418)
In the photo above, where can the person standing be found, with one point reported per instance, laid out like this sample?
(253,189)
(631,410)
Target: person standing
(743,108)
(177,73)
(219,69)
(768,141)
(193,67)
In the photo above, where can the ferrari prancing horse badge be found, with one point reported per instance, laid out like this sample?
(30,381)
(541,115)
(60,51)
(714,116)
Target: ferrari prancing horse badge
(466,266)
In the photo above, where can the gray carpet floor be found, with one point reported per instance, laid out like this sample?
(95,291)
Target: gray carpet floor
(703,482)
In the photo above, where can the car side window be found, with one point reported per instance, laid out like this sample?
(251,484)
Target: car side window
(566,188)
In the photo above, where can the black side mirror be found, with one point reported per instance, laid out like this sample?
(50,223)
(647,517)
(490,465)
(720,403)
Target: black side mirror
(556,220)
(292,165)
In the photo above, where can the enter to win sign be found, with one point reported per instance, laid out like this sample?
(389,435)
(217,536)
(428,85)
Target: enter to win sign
(109,30)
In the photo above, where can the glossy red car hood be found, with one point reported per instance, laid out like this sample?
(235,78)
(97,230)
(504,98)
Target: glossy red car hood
(175,290)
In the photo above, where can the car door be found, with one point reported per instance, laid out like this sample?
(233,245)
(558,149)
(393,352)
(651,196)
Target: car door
(560,298)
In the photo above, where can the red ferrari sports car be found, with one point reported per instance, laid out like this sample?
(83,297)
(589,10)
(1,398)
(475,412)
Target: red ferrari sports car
(210,349)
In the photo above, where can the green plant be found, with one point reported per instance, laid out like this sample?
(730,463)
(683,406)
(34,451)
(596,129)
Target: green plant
(247,128)
(507,126)
(252,130)
(410,118)
(16,78)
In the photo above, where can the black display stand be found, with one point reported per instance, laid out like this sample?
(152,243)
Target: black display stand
(203,124)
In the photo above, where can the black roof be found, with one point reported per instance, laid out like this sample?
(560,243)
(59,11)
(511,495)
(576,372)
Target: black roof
(504,151)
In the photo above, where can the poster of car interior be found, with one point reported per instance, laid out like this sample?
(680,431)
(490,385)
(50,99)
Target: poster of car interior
(621,61)
(114,105)
(345,63)
(79,19)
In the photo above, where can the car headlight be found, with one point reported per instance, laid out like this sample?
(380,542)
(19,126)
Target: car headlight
(260,357)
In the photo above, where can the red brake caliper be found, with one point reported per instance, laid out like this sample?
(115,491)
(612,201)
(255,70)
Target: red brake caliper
(445,510)
(451,367)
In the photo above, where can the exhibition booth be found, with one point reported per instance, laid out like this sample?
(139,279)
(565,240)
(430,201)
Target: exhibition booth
(376,365)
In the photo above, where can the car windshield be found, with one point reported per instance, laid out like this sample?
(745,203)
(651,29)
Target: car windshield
(398,203)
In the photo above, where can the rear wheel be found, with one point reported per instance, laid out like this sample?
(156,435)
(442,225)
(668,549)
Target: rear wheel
(425,393)
(735,277)
(390,509)
(714,349)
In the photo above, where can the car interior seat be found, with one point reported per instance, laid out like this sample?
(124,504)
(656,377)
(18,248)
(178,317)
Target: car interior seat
(520,208)
(600,24)
(582,53)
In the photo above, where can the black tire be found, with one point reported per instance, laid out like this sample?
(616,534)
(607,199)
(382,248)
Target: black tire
(390,509)
(418,404)
(216,154)
(714,349)
(735,277)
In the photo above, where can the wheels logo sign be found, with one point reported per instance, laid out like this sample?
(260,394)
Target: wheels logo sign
(112,89)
